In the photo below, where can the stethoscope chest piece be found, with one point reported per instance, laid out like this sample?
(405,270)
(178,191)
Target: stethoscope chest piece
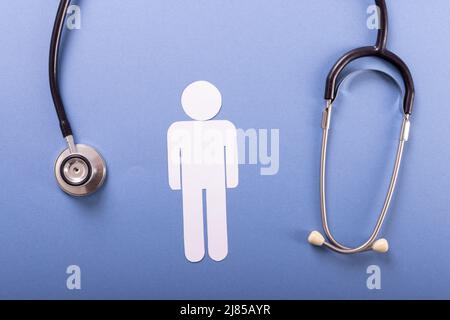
(80,170)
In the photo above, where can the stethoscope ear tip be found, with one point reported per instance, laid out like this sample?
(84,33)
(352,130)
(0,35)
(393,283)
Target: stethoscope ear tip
(316,239)
(381,246)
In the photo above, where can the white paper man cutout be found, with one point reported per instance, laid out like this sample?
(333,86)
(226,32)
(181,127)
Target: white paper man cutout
(203,156)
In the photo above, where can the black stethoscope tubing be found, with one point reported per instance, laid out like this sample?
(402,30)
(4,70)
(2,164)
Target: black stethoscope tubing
(64,123)
(378,50)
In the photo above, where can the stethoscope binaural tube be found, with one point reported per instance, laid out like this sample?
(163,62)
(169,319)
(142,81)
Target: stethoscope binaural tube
(80,170)
(378,50)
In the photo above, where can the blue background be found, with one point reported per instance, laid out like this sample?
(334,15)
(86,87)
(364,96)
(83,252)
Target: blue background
(122,77)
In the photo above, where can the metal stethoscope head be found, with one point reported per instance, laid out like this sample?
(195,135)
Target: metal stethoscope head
(80,170)
(380,51)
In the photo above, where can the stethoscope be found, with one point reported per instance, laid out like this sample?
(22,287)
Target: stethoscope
(332,87)
(80,170)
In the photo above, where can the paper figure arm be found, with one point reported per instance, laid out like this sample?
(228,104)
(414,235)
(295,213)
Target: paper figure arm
(231,156)
(174,159)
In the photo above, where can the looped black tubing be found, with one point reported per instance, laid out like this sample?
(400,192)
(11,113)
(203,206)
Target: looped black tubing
(378,50)
(64,124)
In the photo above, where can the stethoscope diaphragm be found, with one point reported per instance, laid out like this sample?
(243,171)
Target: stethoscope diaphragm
(80,172)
